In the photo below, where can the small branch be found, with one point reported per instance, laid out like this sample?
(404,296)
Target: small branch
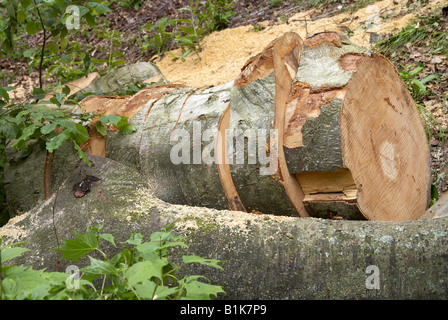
(47,173)
(43,45)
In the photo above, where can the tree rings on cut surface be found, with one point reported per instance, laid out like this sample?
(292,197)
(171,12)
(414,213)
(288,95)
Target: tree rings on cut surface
(353,135)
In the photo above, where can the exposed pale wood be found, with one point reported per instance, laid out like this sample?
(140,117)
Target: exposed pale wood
(317,39)
(351,61)
(384,144)
(303,105)
(126,106)
(287,50)
(337,185)
(225,174)
(138,100)
(257,67)
(96,145)
(76,85)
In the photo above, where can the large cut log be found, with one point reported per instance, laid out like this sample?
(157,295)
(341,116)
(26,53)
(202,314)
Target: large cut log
(268,257)
(319,127)
(353,133)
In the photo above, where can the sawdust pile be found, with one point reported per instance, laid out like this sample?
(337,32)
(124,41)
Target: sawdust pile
(226,51)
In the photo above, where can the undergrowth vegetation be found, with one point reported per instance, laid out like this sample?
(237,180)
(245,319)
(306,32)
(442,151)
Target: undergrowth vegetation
(141,271)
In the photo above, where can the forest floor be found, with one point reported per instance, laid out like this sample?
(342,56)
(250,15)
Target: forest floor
(257,22)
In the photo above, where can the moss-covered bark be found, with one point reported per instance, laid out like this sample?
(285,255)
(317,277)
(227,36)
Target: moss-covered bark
(268,257)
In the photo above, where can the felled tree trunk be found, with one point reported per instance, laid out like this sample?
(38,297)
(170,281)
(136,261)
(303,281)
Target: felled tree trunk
(267,256)
(319,127)
(353,134)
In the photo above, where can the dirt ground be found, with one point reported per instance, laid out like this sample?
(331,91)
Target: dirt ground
(226,51)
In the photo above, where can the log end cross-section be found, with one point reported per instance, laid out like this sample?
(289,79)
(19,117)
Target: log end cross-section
(353,136)
(384,144)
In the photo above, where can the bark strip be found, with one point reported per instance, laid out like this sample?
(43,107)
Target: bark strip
(287,51)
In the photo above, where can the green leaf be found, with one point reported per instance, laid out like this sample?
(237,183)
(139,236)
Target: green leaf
(117,63)
(67,124)
(429,78)
(99,7)
(58,99)
(26,134)
(126,128)
(203,261)
(110,119)
(145,290)
(21,16)
(188,30)
(99,267)
(160,240)
(10,253)
(57,141)
(157,41)
(25,283)
(108,237)
(101,128)
(127,256)
(419,84)
(38,93)
(28,53)
(185,41)
(63,44)
(53,47)
(75,249)
(197,290)
(48,128)
(81,153)
(66,90)
(80,135)
(25,3)
(9,88)
(10,130)
(89,18)
(434,192)
(31,27)
(162,292)
(415,71)
(144,270)
(4,94)
(185,53)
(135,239)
